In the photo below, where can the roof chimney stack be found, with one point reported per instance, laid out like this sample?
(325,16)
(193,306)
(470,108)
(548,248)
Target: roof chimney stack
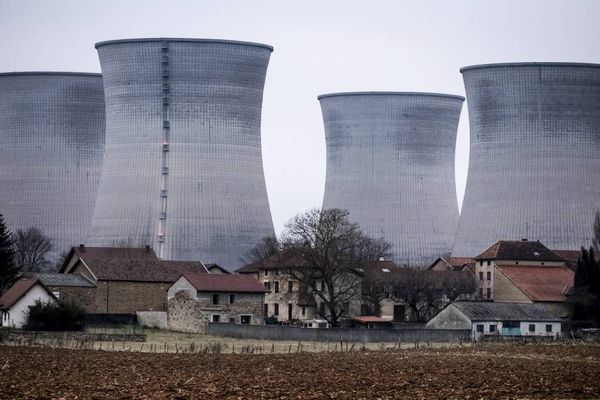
(524,240)
(147,248)
(81,247)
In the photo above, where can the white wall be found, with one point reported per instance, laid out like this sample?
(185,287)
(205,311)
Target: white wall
(540,329)
(18,312)
(180,285)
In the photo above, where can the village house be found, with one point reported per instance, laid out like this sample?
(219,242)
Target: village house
(497,319)
(196,299)
(69,288)
(457,264)
(126,280)
(14,304)
(524,272)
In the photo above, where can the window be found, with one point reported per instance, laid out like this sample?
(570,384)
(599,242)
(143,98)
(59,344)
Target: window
(276,272)
(481,275)
(516,263)
(492,328)
(245,319)
(56,294)
(216,318)
(322,286)
(489,276)
(266,272)
(268,285)
(481,262)
(215,300)
(489,262)
(276,309)
(290,286)
(481,293)
(290,309)
(479,327)
(276,287)
(488,293)
(266,309)
(531,327)
(231,298)
(549,328)
(303,311)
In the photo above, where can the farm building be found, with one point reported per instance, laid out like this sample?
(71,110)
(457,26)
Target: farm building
(70,288)
(497,319)
(15,302)
(196,299)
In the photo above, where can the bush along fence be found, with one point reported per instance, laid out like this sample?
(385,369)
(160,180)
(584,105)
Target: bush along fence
(277,332)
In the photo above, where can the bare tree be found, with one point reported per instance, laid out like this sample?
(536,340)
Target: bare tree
(455,284)
(31,249)
(267,246)
(418,290)
(329,256)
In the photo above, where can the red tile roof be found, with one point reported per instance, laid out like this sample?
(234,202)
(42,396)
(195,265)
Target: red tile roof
(519,250)
(540,283)
(366,319)
(17,291)
(225,283)
(93,253)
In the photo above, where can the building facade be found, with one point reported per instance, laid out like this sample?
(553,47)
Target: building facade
(183,166)
(534,165)
(52,143)
(390,162)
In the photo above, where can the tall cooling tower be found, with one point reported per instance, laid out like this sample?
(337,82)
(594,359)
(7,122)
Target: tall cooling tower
(390,162)
(51,146)
(534,169)
(183,166)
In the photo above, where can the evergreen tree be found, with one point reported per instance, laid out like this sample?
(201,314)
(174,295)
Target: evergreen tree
(586,288)
(9,270)
(596,238)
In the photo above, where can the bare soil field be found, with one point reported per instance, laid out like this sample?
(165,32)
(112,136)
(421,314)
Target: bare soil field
(546,371)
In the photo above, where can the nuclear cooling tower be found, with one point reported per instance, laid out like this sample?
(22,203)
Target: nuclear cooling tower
(51,146)
(534,169)
(390,162)
(183,166)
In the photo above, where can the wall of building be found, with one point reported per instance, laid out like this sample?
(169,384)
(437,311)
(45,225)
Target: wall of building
(52,134)
(192,313)
(534,165)
(506,291)
(17,315)
(119,297)
(390,162)
(83,296)
(449,318)
(203,195)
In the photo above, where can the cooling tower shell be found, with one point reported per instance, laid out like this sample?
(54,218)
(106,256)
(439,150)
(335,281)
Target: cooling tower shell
(51,147)
(534,169)
(183,166)
(390,162)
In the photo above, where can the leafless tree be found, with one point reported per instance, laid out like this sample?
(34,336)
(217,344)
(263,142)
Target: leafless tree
(31,249)
(267,247)
(457,285)
(329,256)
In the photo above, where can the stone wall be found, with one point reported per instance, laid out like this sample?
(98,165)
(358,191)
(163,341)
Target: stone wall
(83,296)
(117,297)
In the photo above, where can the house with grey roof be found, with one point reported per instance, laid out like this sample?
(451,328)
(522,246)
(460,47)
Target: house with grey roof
(498,319)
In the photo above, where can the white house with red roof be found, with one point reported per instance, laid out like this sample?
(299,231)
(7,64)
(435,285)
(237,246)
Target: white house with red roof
(14,304)
(196,299)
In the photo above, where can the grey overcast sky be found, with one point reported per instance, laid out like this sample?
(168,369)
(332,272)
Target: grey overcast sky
(320,47)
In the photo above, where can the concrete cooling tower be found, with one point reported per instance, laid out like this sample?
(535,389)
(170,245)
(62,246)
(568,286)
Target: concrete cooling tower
(183,166)
(534,169)
(51,147)
(390,162)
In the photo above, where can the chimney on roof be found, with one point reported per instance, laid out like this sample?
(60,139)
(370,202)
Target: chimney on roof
(524,240)
(147,248)
(81,247)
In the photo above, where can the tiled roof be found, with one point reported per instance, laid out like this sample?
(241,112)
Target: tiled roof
(570,256)
(490,311)
(142,270)
(216,266)
(455,263)
(370,319)
(17,291)
(91,253)
(225,283)
(58,279)
(519,250)
(540,283)
(284,260)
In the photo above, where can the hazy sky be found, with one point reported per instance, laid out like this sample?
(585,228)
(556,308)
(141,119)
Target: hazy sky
(320,47)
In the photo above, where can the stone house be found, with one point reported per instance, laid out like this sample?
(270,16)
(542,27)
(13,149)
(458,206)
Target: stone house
(127,280)
(196,299)
(14,304)
(485,318)
(69,288)
(524,272)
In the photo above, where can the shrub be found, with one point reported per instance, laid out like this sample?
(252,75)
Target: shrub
(55,317)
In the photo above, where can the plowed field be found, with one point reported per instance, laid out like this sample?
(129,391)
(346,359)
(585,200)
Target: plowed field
(487,371)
